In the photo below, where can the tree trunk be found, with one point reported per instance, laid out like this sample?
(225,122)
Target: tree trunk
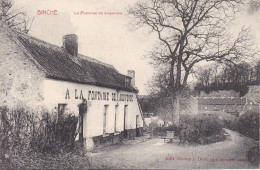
(173,106)
(177,109)
(178,85)
(172,88)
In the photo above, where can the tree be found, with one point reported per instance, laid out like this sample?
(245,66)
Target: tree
(257,72)
(14,18)
(254,6)
(230,77)
(205,76)
(189,32)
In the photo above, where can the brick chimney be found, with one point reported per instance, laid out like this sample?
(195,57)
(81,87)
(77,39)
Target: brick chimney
(70,43)
(131,73)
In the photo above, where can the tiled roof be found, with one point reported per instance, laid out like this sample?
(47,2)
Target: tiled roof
(222,101)
(58,64)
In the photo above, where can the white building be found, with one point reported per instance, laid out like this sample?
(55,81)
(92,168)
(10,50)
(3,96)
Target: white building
(36,73)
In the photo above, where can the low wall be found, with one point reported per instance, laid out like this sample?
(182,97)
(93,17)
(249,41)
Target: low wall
(110,139)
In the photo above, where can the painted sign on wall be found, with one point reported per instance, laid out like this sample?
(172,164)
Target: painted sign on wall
(97,95)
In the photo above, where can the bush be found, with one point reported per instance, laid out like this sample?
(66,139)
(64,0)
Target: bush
(57,134)
(201,129)
(231,123)
(16,127)
(248,125)
(24,131)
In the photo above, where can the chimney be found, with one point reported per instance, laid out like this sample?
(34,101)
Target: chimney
(70,43)
(131,73)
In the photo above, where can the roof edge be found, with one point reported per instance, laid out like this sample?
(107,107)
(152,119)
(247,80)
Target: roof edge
(97,84)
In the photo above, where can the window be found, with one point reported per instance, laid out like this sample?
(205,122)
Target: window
(127,81)
(116,117)
(105,119)
(61,110)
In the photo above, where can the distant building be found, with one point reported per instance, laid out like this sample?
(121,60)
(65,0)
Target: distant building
(219,101)
(36,73)
(231,104)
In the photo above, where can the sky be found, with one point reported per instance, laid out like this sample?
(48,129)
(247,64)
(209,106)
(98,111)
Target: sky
(107,38)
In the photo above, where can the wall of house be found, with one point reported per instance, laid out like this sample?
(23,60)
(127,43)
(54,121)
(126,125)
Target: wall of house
(63,92)
(20,79)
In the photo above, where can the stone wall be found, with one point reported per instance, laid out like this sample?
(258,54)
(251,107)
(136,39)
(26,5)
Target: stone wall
(20,78)
(111,139)
(139,132)
(130,134)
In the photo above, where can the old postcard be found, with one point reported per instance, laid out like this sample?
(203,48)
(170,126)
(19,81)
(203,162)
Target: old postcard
(129,84)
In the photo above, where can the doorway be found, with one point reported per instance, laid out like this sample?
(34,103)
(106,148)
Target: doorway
(137,126)
(105,120)
(125,120)
(82,112)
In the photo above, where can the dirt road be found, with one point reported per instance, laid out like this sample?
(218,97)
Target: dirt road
(154,153)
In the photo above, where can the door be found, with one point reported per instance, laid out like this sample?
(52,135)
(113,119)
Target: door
(137,126)
(82,112)
(125,121)
(105,120)
(116,112)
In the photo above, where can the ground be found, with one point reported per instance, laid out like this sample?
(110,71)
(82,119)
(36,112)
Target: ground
(153,153)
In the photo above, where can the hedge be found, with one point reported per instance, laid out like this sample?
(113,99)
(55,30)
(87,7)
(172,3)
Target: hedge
(201,129)
(247,124)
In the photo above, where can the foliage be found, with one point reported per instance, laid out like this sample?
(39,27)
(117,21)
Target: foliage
(57,135)
(201,129)
(228,77)
(23,132)
(247,124)
(242,89)
(231,123)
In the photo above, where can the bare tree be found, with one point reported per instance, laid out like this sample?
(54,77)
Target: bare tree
(159,82)
(14,18)
(228,77)
(205,76)
(254,6)
(189,32)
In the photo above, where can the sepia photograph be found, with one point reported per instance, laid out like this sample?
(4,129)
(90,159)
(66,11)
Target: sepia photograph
(129,84)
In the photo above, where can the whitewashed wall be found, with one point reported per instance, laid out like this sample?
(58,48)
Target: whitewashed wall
(55,93)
